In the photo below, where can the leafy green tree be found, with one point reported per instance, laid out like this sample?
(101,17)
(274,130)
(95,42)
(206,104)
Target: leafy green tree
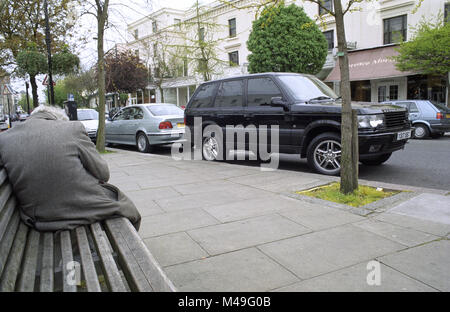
(428,51)
(32,62)
(65,62)
(23,103)
(285,39)
(23,22)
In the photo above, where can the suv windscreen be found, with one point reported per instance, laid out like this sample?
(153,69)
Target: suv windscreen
(230,94)
(261,91)
(307,88)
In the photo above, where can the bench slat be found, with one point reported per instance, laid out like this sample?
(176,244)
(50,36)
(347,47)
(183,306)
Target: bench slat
(132,270)
(67,259)
(47,269)
(87,261)
(9,278)
(112,274)
(28,276)
(8,239)
(123,234)
(6,215)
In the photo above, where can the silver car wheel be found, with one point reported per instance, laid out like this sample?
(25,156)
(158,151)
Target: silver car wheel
(210,149)
(142,143)
(327,156)
(420,132)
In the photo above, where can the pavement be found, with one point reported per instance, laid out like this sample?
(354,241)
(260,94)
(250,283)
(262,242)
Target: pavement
(217,226)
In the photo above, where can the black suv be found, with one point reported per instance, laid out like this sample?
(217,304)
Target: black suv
(307,112)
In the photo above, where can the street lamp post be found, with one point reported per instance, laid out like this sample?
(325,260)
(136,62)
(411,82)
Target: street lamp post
(49,54)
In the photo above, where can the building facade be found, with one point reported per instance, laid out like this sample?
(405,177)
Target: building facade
(167,37)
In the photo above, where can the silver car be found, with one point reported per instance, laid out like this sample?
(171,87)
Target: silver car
(146,126)
(428,118)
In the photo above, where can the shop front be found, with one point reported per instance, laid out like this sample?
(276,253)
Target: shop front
(374,78)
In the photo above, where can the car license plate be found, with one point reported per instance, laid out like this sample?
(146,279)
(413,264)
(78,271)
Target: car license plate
(180,125)
(404,135)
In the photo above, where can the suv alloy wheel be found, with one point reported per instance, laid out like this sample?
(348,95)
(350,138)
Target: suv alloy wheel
(324,153)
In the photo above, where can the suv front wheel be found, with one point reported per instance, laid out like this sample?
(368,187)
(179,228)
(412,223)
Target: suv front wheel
(324,154)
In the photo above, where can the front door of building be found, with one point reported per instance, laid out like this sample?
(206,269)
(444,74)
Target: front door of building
(387,92)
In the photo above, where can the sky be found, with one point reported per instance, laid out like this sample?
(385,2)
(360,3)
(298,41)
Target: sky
(122,13)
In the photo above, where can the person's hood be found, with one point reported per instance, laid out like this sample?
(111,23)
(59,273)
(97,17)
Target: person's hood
(43,115)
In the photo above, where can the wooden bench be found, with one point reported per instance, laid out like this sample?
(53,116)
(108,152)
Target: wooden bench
(108,256)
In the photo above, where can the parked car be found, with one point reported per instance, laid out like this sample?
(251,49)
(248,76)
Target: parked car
(23,116)
(428,118)
(307,112)
(89,118)
(146,126)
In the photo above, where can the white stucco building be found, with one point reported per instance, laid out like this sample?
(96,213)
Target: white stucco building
(372,34)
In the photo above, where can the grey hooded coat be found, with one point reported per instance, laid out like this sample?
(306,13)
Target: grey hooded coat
(58,176)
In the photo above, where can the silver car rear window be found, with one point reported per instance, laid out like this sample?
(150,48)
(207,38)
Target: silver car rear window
(163,110)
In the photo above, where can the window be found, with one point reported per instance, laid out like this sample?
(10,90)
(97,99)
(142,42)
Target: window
(136,52)
(165,110)
(155,50)
(233,57)
(136,34)
(177,22)
(136,113)
(447,12)
(395,29)
(327,4)
(410,106)
(230,94)
(329,35)
(232,27)
(185,67)
(205,95)
(154,26)
(87,115)
(201,34)
(382,96)
(261,91)
(393,92)
(124,114)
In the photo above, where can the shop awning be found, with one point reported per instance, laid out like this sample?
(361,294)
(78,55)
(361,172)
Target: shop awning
(369,64)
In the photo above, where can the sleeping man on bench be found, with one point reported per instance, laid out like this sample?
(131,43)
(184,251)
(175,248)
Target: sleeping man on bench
(58,177)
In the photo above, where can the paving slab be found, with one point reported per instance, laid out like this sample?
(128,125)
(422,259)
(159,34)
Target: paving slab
(404,236)
(174,249)
(317,217)
(240,271)
(325,251)
(173,222)
(431,207)
(233,236)
(244,209)
(435,228)
(198,200)
(429,263)
(354,279)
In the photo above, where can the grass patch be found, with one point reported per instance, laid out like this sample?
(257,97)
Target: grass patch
(363,196)
(107,152)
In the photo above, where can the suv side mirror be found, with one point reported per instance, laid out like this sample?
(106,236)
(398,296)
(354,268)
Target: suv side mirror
(279,102)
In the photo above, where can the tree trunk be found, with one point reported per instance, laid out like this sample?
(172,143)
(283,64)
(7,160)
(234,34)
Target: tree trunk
(102,14)
(34,91)
(349,162)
